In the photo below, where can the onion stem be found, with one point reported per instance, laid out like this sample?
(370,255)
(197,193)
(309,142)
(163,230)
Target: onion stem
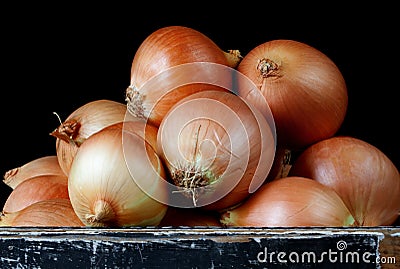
(266,67)
(233,57)
(103,213)
(68,131)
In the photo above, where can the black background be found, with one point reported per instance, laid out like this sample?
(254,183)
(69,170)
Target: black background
(55,59)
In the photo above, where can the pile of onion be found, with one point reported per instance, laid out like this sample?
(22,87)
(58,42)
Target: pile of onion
(194,144)
(39,195)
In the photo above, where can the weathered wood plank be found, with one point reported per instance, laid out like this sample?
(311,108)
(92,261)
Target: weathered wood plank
(199,248)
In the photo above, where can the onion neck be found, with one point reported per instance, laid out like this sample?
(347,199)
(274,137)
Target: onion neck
(267,67)
(103,214)
(68,132)
(10,175)
(233,57)
(6,219)
(134,101)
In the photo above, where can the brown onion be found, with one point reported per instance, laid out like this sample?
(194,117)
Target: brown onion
(108,173)
(37,189)
(217,150)
(45,213)
(46,165)
(363,176)
(82,123)
(290,202)
(163,49)
(304,88)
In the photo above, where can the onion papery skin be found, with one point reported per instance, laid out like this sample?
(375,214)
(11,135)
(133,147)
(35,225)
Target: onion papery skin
(46,165)
(104,190)
(215,149)
(36,189)
(82,123)
(290,202)
(304,88)
(163,49)
(364,177)
(45,213)
(281,165)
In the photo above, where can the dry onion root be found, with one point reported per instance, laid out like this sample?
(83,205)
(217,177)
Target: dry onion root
(103,180)
(46,165)
(45,213)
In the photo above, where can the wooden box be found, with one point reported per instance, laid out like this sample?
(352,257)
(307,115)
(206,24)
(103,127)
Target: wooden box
(184,247)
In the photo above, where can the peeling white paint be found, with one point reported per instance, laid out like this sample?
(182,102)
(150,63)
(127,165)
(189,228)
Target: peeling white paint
(94,246)
(8,259)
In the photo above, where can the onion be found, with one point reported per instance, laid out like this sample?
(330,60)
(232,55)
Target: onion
(217,150)
(163,49)
(304,88)
(364,177)
(36,189)
(190,217)
(82,123)
(46,165)
(45,213)
(290,202)
(107,174)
